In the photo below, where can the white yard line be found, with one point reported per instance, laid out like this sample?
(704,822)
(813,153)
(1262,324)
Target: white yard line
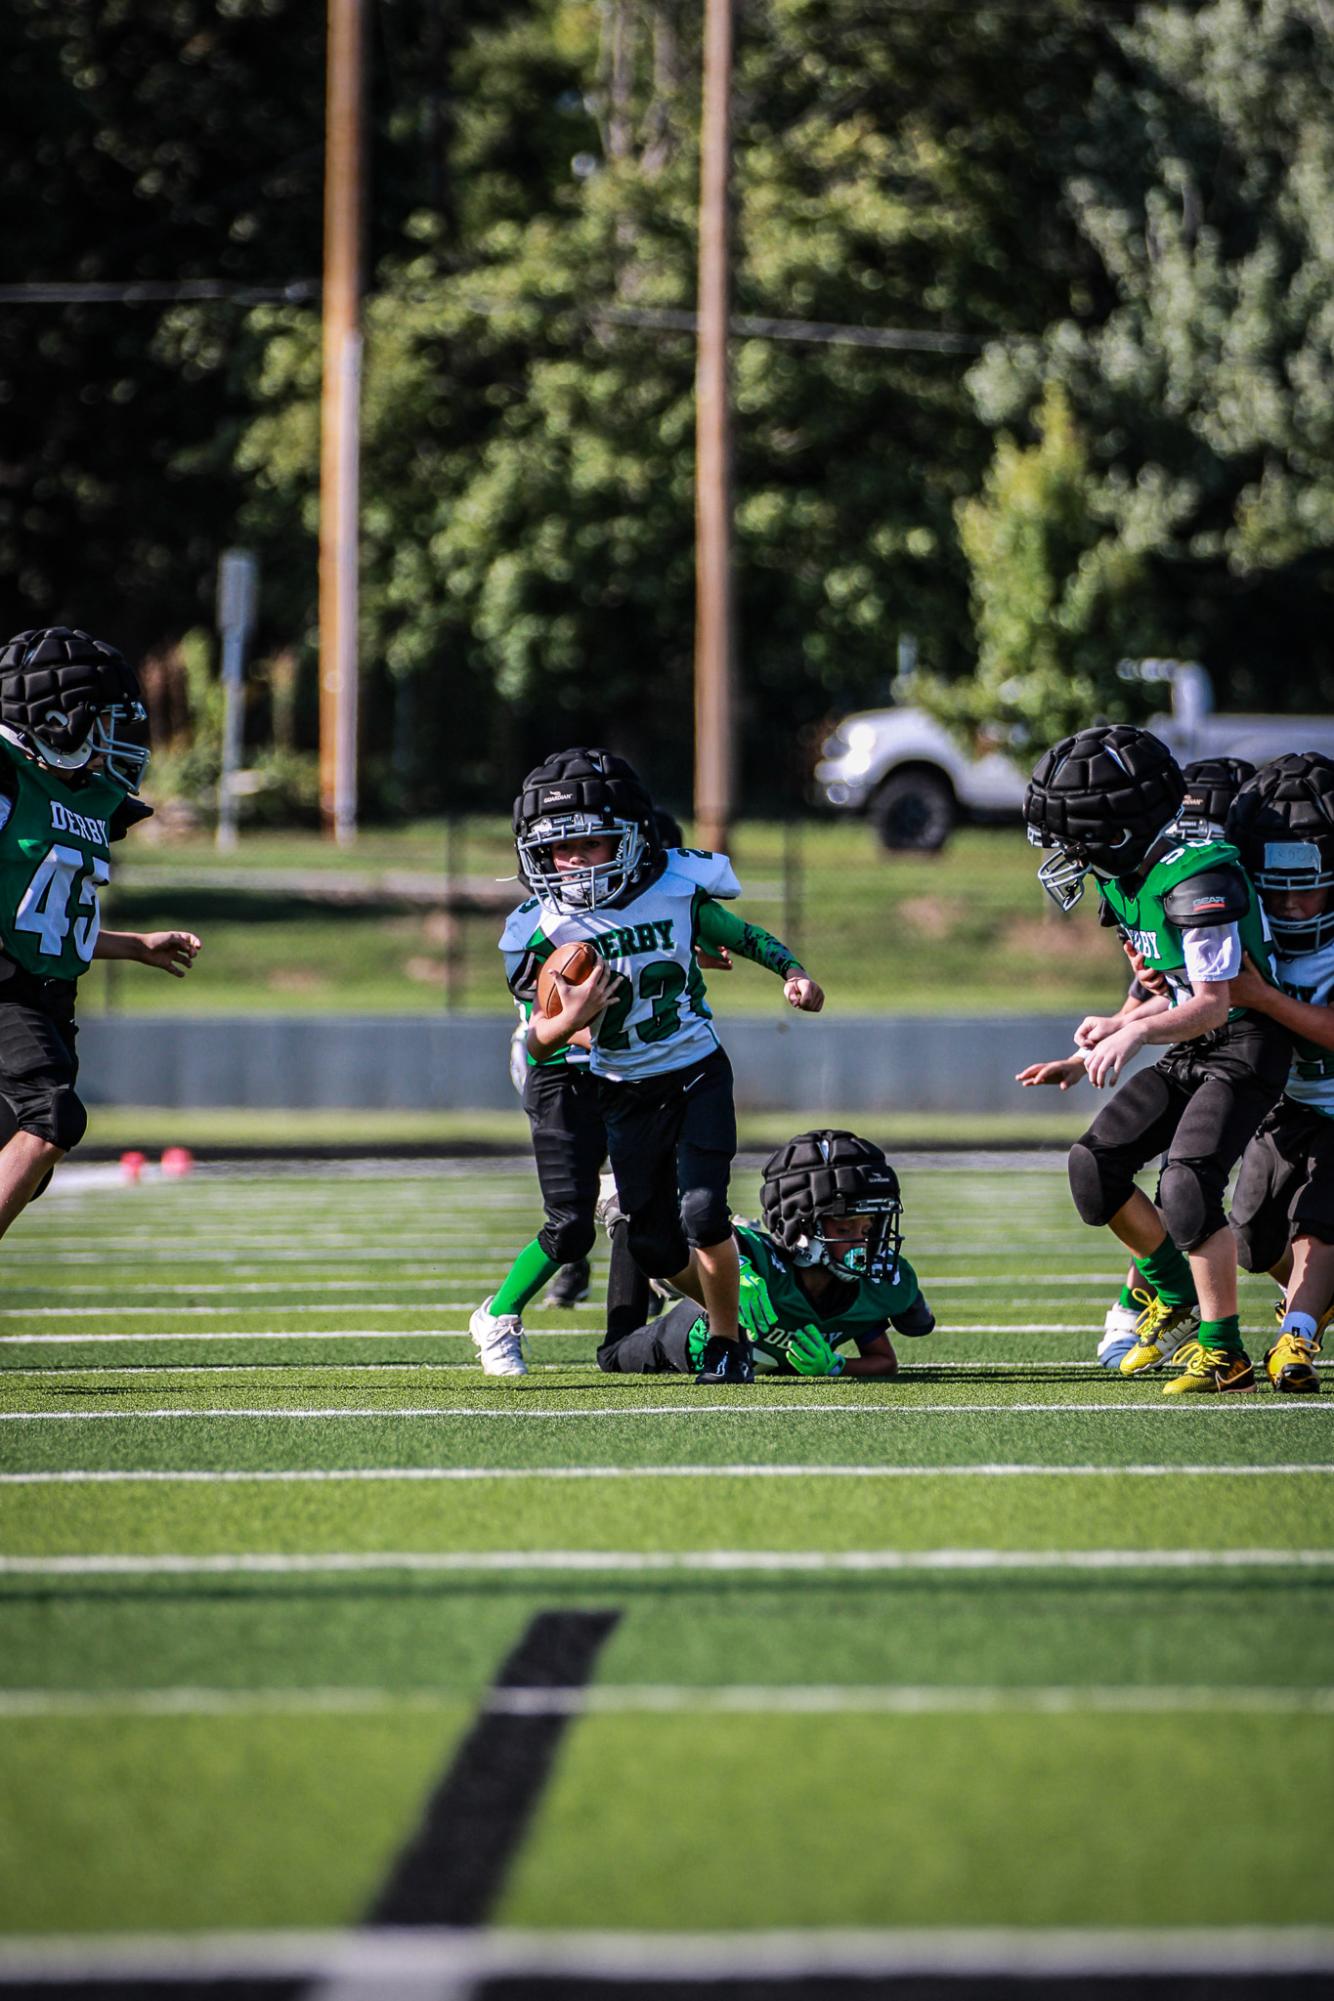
(304,1413)
(376,1958)
(301,1476)
(677,1698)
(704,1562)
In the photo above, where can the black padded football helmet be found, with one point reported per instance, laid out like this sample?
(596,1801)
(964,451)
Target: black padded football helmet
(1101,798)
(831,1173)
(573,796)
(1212,783)
(66,698)
(1282,821)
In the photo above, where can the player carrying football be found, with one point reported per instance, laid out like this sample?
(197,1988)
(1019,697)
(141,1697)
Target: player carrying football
(588,846)
(827,1269)
(73,747)
(1283,1204)
(1106,800)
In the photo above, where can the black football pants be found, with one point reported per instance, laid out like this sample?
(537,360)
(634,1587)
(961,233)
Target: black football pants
(1199,1106)
(569,1147)
(672,1139)
(661,1348)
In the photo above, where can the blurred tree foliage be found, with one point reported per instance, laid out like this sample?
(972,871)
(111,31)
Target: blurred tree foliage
(1205,395)
(1125,205)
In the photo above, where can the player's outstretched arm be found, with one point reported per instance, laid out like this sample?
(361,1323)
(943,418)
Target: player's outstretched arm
(171,952)
(720,929)
(1314,1023)
(1065,1072)
(877,1358)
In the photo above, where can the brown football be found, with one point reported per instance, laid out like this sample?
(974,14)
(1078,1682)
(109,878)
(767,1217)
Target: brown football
(575,963)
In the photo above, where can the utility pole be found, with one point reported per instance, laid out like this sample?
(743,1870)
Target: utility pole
(714,643)
(340,417)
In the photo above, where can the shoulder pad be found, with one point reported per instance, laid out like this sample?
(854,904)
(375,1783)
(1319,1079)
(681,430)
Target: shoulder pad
(520,926)
(128,814)
(1214,896)
(712,873)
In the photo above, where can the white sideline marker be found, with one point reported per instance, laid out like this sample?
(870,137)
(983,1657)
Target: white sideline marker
(999,1470)
(389,1962)
(307,1414)
(703,1562)
(629,1699)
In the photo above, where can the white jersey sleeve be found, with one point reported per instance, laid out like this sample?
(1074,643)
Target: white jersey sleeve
(1212,952)
(712,873)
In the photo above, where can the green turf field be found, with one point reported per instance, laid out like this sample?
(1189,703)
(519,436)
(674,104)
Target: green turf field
(952,1652)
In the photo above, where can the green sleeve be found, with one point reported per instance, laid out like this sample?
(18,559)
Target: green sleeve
(715,925)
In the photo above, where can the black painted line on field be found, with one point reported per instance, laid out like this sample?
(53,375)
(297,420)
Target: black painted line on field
(453,1869)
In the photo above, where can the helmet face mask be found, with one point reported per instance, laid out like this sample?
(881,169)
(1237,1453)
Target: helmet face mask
(821,1178)
(576,889)
(1103,799)
(73,704)
(1282,822)
(872,1255)
(582,795)
(1290,868)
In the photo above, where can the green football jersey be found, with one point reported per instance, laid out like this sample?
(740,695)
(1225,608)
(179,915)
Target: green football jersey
(1158,937)
(776,1307)
(55,854)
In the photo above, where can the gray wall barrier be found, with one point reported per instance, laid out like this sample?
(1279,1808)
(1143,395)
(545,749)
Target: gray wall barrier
(870,1063)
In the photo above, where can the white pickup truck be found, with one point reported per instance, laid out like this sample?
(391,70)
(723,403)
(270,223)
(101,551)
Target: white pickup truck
(916,783)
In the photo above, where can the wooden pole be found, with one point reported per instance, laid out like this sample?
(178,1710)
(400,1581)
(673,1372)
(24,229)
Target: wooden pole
(714,642)
(340,409)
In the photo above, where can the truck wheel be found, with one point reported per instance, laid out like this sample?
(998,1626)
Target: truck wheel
(914,810)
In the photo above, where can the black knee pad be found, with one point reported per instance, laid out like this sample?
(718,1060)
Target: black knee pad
(63,1120)
(705,1217)
(1099,1187)
(569,1240)
(1190,1196)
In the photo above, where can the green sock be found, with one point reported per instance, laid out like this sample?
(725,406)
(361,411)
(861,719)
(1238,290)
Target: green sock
(1129,1300)
(1223,1334)
(530,1270)
(1169,1274)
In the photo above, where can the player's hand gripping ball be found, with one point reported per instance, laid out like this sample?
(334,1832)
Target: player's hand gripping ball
(575,964)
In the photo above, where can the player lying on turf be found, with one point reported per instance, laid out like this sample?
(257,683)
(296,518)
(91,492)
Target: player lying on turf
(73,747)
(1283,1203)
(589,847)
(1212,784)
(826,1270)
(1106,800)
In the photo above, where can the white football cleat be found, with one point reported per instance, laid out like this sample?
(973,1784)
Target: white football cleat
(608,1210)
(1119,1335)
(498,1338)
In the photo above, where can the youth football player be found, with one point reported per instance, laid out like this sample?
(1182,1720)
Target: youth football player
(73,747)
(1106,800)
(824,1274)
(1212,783)
(1283,1203)
(588,846)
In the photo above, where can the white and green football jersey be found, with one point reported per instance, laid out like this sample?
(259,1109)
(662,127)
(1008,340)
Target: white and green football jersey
(660,1018)
(1309,976)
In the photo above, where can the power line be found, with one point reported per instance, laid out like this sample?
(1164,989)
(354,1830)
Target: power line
(652,319)
(154,292)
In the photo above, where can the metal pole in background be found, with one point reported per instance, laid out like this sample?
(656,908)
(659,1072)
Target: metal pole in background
(714,643)
(340,408)
(238,600)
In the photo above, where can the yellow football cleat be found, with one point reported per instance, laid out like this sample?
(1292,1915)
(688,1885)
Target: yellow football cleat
(1290,1365)
(1161,1331)
(1210,1371)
